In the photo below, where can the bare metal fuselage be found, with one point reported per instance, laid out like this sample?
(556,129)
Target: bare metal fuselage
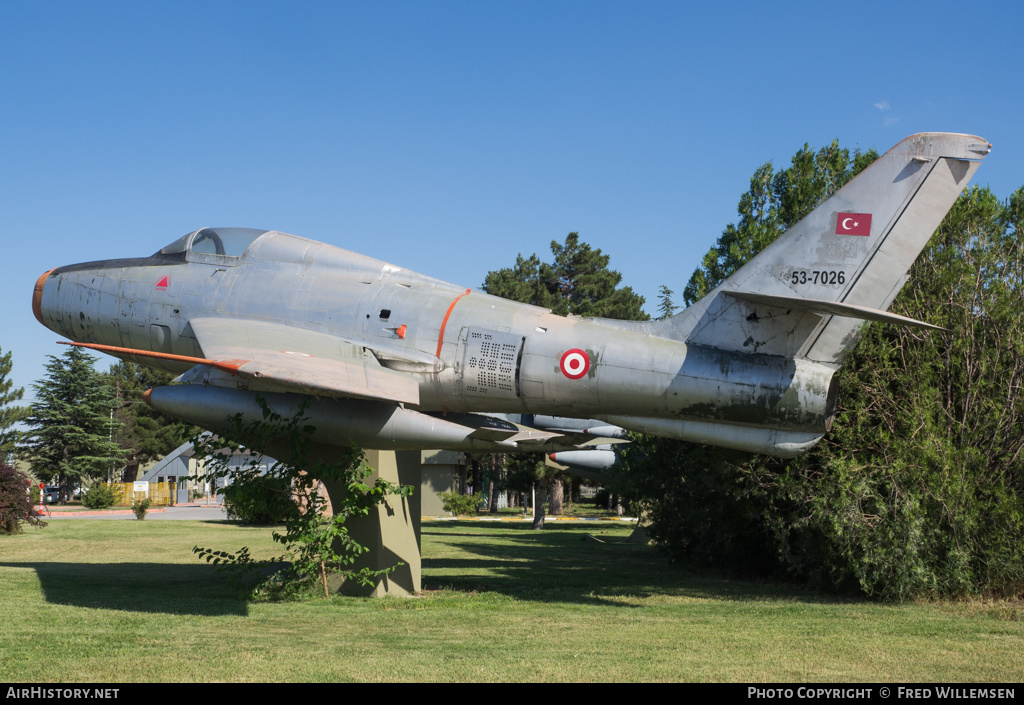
(396,359)
(469,352)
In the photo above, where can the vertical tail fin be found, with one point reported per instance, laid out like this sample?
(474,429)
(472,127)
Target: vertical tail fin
(808,293)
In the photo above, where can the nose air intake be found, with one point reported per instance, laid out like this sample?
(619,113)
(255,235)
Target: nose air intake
(37,296)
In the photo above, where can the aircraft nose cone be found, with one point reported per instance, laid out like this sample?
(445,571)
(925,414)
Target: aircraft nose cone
(37,296)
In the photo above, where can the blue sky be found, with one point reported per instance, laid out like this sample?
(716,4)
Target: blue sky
(447,137)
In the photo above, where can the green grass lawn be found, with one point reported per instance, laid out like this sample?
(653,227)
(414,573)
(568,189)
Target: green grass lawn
(106,601)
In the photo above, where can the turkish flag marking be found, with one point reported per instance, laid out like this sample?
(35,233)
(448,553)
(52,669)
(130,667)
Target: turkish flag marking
(163,283)
(853,224)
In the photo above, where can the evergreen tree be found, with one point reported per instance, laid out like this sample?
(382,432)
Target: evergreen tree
(577,281)
(142,433)
(9,415)
(665,306)
(520,283)
(71,423)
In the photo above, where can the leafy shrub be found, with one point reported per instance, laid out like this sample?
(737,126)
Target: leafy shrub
(459,504)
(316,545)
(102,496)
(260,500)
(15,502)
(140,506)
(918,489)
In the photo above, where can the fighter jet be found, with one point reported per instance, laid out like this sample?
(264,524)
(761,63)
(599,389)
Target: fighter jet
(394,360)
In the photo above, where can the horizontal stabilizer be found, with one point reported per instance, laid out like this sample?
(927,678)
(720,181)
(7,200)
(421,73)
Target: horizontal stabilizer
(829,308)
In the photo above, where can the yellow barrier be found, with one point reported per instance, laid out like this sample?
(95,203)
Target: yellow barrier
(161,494)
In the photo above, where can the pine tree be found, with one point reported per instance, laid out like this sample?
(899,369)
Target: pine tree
(71,423)
(577,281)
(665,305)
(141,432)
(9,415)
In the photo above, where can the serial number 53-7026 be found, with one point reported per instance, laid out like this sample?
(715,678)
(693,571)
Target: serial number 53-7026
(802,276)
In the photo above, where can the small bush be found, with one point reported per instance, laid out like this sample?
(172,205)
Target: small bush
(102,496)
(140,506)
(264,500)
(15,502)
(459,504)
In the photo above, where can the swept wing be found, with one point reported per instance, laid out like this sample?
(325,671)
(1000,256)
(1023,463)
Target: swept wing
(287,359)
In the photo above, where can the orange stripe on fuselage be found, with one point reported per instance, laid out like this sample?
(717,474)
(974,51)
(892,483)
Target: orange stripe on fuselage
(440,333)
(226,365)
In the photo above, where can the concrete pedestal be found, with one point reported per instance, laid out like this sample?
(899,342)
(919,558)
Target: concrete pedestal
(391,531)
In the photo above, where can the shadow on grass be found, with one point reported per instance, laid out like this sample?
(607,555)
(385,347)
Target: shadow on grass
(559,564)
(200,590)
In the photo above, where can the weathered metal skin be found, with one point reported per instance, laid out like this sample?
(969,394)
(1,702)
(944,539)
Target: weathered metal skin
(750,366)
(632,373)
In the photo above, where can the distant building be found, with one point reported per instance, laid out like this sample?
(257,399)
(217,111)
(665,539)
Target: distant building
(440,473)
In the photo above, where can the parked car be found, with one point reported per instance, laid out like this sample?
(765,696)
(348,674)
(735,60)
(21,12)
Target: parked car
(51,495)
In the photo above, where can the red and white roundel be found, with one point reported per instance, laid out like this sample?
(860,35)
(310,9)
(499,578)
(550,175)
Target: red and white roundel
(574,363)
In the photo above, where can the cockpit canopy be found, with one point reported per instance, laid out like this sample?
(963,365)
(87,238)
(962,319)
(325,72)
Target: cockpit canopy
(226,242)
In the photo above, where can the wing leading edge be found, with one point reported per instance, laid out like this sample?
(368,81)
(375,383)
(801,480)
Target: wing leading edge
(298,360)
(286,359)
